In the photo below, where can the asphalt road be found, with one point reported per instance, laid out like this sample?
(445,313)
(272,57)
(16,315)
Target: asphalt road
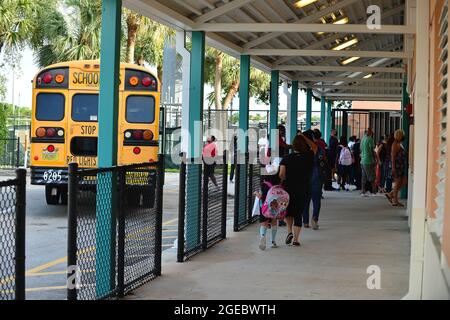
(46,239)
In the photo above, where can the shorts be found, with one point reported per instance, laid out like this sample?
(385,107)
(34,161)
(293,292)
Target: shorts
(297,204)
(344,170)
(368,173)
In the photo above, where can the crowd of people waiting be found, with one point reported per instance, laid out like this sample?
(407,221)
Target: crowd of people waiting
(309,166)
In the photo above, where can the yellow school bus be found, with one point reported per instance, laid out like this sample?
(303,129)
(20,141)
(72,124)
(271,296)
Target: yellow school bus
(64,126)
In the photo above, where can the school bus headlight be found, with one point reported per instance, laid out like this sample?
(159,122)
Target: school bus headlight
(127,134)
(60,133)
(59,78)
(148,135)
(41,132)
(134,81)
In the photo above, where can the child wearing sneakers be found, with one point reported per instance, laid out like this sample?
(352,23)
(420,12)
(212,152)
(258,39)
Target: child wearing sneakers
(269,180)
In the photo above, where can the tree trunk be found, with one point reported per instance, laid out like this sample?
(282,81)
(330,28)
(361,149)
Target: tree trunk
(230,95)
(218,81)
(159,70)
(140,60)
(133,21)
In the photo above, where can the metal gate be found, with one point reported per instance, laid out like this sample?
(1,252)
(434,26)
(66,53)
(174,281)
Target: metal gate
(130,223)
(202,207)
(12,236)
(355,122)
(10,153)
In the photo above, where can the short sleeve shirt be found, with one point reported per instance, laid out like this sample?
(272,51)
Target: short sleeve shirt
(299,169)
(367,151)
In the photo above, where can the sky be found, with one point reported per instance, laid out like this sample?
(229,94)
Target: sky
(28,69)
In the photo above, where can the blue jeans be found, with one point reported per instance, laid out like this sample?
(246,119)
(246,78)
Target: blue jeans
(316,197)
(388,175)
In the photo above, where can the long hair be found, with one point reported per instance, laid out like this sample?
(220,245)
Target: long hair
(299,144)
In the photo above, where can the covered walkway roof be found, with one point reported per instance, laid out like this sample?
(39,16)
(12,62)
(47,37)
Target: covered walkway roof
(325,45)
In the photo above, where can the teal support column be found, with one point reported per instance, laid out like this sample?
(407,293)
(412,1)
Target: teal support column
(108,111)
(244,102)
(329,121)
(194,170)
(293,126)
(196,93)
(273,123)
(323,120)
(243,147)
(405,127)
(308,108)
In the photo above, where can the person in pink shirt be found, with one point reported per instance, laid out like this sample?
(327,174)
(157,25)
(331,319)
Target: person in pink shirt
(209,153)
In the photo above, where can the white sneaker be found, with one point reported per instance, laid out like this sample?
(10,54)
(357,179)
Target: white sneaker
(262,243)
(274,245)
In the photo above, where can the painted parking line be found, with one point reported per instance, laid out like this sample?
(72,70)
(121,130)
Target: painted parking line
(39,270)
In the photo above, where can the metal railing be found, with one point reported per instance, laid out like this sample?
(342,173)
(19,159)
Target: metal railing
(10,153)
(12,237)
(248,178)
(130,197)
(202,214)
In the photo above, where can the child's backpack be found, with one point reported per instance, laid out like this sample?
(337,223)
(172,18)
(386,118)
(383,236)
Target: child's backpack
(345,157)
(276,203)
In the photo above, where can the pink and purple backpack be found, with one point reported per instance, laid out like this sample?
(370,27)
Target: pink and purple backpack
(276,203)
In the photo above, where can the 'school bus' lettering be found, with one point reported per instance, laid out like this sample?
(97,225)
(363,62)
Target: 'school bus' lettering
(85,78)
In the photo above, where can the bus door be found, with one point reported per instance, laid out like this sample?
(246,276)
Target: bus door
(82,137)
(138,128)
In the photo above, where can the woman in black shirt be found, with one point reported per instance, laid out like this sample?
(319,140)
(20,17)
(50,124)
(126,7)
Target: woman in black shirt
(296,172)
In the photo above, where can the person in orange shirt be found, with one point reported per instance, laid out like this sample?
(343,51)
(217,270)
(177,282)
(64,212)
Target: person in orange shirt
(209,154)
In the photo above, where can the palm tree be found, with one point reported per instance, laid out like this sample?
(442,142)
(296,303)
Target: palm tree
(74,37)
(19,20)
(150,41)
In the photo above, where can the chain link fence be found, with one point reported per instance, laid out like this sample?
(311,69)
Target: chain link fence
(110,257)
(202,206)
(12,237)
(10,153)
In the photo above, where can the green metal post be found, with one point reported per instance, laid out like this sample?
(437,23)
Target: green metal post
(329,120)
(322,115)
(308,108)
(244,107)
(405,127)
(244,101)
(194,171)
(275,79)
(294,111)
(107,144)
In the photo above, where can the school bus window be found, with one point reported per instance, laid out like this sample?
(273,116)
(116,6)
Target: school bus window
(140,109)
(50,107)
(85,107)
(84,146)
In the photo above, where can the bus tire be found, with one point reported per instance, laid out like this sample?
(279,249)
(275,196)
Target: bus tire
(64,195)
(51,199)
(148,199)
(133,198)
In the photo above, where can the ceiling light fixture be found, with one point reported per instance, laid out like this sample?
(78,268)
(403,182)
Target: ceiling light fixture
(346,44)
(350,60)
(303,3)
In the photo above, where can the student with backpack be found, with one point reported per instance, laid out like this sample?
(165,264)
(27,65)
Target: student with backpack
(272,206)
(345,162)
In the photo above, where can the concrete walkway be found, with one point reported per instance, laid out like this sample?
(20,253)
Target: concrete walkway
(332,263)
